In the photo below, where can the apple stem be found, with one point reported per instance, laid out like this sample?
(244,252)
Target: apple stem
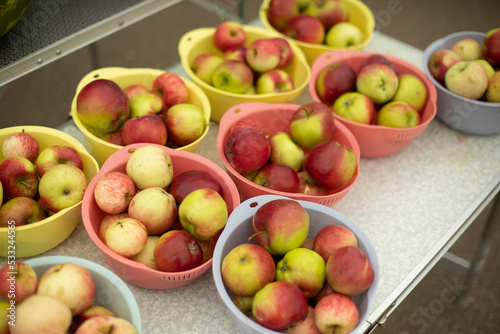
(253,235)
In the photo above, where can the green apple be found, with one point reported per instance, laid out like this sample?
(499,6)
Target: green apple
(247,268)
(355,107)
(185,123)
(145,104)
(303,267)
(62,186)
(468,49)
(203,213)
(243,303)
(146,256)
(377,81)
(204,64)
(150,166)
(280,225)
(398,114)
(274,81)
(344,34)
(126,237)
(232,76)
(487,66)
(467,79)
(412,90)
(285,151)
(311,124)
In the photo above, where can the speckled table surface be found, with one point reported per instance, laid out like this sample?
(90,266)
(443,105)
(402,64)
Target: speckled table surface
(411,205)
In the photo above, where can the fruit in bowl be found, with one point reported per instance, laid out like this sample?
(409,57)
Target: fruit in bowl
(301,273)
(172,204)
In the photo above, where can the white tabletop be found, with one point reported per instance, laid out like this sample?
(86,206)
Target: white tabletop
(411,205)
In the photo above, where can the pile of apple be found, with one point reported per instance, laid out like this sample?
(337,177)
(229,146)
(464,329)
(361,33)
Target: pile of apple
(33,184)
(291,283)
(168,223)
(303,159)
(257,68)
(59,301)
(376,94)
(470,69)
(138,114)
(317,22)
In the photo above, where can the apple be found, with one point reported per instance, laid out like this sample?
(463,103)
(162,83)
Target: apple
(280,225)
(171,88)
(188,181)
(236,53)
(107,221)
(204,64)
(274,81)
(325,291)
(150,166)
(247,268)
(377,81)
(493,90)
(18,281)
(243,303)
(344,35)
(155,208)
(126,237)
(41,314)
(92,311)
(286,51)
(232,76)
(208,247)
(411,89)
(378,58)
(185,123)
(398,114)
(305,28)
(62,186)
(21,144)
(311,124)
(467,79)
(355,107)
(20,211)
(335,80)
(203,213)
(285,151)
(440,62)
(57,154)
(229,34)
(329,12)
(263,54)
(18,177)
(307,326)
(331,165)
(332,237)
(247,123)
(106,324)
(308,186)
(145,129)
(146,256)
(176,251)
(102,105)
(145,104)
(336,313)
(279,305)
(70,283)
(135,90)
(113,192)
(247,150)
(304,268)
(278,177)
(114,138)
(279,12)
(491,47)
(487,66)
(467,49)
(349,271)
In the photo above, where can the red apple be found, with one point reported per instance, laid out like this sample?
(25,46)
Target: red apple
(247,123)
(325,291)
(305,28)
(332,237)
(491,47)
(349,271)
(377,59)
(307,326)
(92,311)
(190,180)
(274,81)
(280,12)
(57,154)
(329,12)
(20,211)
(18,281)
(185,123)
(278,177)
(263,54)
(311,124)
(114,138)
(308,186)
(279,305)
(440,62)
(331,165)
(113,192)
(236,53)
(135,90)
(145,129)
(102,105)
(176,250)
(106,324)
(171,88)
(229,34)
(335,80)
(18,177)
(21,144)
(286,51)
(336,313)
(247,150)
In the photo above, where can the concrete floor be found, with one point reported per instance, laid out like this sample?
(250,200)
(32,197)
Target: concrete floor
(44,97)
